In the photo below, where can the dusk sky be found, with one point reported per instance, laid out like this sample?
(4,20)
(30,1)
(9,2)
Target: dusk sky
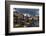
(28,11)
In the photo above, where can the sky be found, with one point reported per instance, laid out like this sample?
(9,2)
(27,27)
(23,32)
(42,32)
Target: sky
(28,11)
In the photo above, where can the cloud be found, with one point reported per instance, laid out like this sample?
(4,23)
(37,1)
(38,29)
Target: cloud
(28,11)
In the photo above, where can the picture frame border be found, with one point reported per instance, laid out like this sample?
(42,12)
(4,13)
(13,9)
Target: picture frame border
(7,3)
